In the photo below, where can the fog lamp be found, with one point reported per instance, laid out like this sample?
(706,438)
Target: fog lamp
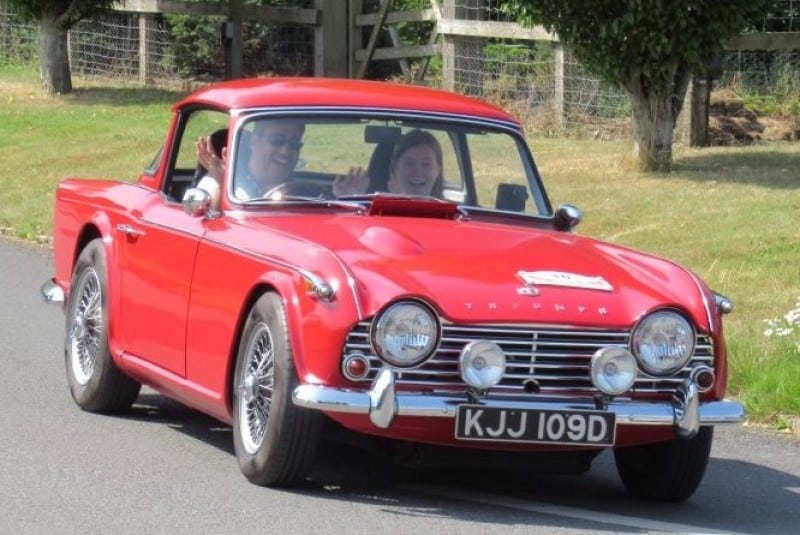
(613,370)
(482,364)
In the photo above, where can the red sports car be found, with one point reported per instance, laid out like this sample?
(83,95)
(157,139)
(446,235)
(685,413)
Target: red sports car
(307,258)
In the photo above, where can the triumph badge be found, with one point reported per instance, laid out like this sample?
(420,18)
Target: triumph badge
(562,278)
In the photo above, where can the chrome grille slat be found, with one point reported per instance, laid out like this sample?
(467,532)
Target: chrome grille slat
(557,359)
(539,366)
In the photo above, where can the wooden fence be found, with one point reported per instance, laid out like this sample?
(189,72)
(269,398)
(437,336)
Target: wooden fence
(459,35)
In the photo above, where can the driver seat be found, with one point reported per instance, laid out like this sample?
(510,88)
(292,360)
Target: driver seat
(378,168)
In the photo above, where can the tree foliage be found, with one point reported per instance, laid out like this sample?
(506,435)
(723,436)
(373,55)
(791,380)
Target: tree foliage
(649,48)
(64,13)
(626,40)
(55,18)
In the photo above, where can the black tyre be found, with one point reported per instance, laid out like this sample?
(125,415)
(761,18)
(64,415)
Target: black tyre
(275,441)
(95,382)
(666,471)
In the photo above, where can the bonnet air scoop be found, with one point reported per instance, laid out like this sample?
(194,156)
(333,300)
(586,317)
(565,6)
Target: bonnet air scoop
(412,206)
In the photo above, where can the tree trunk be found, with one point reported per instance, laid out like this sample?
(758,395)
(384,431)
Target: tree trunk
(700,101)
(653,123)
(55,73)
(655,114)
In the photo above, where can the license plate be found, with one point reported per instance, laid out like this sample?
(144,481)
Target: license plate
(477,422)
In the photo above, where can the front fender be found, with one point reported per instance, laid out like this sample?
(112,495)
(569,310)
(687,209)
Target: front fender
(317,326)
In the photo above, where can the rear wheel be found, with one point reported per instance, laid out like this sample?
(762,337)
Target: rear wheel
(275,441)
(95,382)
(666,471)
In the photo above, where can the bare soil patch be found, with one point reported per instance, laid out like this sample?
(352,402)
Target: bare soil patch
(730,123)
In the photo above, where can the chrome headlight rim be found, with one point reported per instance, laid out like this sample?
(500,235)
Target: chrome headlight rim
(639,331)
(378,322)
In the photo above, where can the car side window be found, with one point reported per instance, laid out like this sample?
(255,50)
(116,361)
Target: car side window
(182,175)
(501,180)
(453,188)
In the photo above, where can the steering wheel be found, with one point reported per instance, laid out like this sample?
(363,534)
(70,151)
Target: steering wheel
(277,191)
(299,187)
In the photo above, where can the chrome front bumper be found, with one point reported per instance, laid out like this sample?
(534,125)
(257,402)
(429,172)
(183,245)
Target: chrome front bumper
(383,404)
(52,293)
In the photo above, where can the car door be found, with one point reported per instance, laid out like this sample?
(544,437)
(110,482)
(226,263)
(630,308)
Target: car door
(158,254)
(157,259)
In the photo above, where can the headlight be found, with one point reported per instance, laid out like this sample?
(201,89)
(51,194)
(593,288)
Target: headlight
(663,342)
(405,334)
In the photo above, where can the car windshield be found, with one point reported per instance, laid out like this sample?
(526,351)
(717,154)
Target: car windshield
(475,164)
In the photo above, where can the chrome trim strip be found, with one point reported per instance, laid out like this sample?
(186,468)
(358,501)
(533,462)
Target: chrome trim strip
(706,304)
(378,112)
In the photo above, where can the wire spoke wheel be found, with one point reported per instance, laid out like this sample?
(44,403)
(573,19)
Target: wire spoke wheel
(86,329)
(275,441)
(95,381)
(256,388)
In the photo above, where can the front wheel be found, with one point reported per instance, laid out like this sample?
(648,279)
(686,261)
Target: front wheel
(275,441)
(667,471)
(95,382)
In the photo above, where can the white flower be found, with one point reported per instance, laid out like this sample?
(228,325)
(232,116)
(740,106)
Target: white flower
(786,325)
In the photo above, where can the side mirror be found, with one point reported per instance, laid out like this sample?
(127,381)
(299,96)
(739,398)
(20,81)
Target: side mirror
(196,202)
(567,217)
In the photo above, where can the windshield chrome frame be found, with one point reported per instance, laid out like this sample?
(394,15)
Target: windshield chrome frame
(535,184)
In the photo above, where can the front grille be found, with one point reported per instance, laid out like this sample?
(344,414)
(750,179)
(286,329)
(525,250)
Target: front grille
(555,359)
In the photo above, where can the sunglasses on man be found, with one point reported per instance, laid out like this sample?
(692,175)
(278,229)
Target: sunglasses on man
(278,141)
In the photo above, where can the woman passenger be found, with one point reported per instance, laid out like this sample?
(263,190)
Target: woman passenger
(415,169)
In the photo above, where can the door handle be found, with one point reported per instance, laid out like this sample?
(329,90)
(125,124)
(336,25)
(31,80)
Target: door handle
(130,230)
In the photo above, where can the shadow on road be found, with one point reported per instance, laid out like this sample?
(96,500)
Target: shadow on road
(735,496)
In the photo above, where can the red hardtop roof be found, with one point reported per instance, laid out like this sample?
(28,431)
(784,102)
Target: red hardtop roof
(263,92)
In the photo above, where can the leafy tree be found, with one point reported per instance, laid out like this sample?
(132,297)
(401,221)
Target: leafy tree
(55,18)
(649,48)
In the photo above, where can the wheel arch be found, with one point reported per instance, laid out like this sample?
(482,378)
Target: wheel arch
(285,285)
(255,293)
(89,232)
(316,327)
(99,227)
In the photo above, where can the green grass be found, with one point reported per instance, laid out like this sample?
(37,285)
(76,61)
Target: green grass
(95,131)
(729,214)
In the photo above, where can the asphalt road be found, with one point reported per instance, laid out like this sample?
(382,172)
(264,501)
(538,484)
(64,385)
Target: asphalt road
(166,469)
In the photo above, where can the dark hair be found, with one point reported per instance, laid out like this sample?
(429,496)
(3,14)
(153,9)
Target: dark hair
(219,139)
(415,138)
